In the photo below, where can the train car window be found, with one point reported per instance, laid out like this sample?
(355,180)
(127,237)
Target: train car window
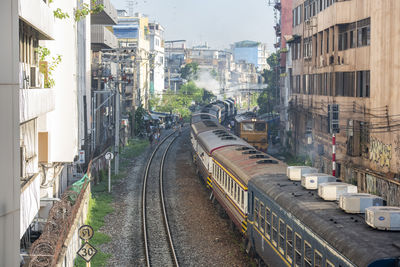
(242,199)
(256,208)
(329,264)
(268,223)
(238,194)
(274,229)
(235,191)
(317,259)
(289,244)
(307,254)
(248,126)
(297,250)
(262,217)
(232,182)
(260,126)
(281,243)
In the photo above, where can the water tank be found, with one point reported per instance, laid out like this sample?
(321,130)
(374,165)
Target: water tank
(357,203)
(332,191)
(312,180)
(294,173)
(383,218)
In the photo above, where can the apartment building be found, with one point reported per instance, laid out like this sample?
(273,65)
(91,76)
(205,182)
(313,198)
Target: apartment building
(133,32)
(345,53)
(157,58)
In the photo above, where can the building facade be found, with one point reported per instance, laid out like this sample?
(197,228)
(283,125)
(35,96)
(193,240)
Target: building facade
(251,52)
(157,63)
(345,53)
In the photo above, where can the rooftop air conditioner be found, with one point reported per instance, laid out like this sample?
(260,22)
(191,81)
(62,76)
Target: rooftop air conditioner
(357,203)
(332,191)
(312,180)
(294,173)
(383,218)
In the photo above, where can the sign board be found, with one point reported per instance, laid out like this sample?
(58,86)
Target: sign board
(109,156)
(85,232)
(87,252)
(81,157)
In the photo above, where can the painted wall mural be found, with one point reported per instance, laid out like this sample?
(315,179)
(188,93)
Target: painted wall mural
(380,153)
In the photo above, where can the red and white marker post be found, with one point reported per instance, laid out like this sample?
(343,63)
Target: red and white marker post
(333,155)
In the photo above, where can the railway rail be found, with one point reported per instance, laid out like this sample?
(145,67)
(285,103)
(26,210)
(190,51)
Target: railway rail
(158,242)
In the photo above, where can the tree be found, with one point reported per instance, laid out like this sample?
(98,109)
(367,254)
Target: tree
(190,71)
(269,98)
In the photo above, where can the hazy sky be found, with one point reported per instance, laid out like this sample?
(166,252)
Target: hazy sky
(218,22)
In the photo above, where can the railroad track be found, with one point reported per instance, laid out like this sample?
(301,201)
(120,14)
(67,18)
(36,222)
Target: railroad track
(158,243)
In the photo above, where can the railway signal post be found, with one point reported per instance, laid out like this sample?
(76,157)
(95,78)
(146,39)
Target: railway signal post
(333,117)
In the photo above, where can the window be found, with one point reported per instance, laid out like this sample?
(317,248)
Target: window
(317,259)
(260,126)
(232,184)
(307,254)
(343,39)
(289,244)
(363,83)
(345,84)
(329,264)
(363,32)
(262,218)
(242,198)
(274,229)
(248,126)
(281,243)
(297,250)
(256,211)
(268,223)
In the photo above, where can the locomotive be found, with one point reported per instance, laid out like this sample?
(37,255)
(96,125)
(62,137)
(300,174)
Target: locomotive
(282,223)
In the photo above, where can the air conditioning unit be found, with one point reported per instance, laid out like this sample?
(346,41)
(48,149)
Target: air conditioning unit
(333,191)
(357,203)
(312,180)
(383,218)
(34,82)
(294,173)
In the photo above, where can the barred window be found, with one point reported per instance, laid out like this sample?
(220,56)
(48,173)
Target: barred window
(317,259)
(262,217)
(289,244)
(268,223)
(256,211)
(307,254)
(297,250)
(281,244)
(274,229)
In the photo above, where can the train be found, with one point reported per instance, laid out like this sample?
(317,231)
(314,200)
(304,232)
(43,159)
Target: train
(252,129)
(281,222)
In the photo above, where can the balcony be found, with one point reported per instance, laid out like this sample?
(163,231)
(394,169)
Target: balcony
(29,201)
(35,102)
(102,38)
(37,14)
(108,16)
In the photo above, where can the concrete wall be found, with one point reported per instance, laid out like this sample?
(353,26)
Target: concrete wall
(9,135)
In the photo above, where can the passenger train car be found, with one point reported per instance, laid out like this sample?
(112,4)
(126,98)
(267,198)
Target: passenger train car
(281,222)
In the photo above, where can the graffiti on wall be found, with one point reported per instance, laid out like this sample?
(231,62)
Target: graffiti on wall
(380,153)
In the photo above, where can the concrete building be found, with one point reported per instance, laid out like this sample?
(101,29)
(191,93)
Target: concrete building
(157,63)
(10,190)
(345,53)
(251,52)
(175,58)
(134,32)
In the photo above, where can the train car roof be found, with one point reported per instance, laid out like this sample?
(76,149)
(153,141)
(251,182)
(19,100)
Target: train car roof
(197,117)
(205,125)
(244,165)
(216,139)
(347,233)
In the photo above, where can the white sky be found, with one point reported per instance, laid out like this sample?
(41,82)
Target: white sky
(218,22)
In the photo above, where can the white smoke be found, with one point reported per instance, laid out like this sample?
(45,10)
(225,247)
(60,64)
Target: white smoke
(206,81)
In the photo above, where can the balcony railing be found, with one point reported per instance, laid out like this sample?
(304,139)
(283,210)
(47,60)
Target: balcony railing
(102,38)
(37,14)
(108,16)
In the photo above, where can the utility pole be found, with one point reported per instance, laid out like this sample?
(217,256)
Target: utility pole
(117,102)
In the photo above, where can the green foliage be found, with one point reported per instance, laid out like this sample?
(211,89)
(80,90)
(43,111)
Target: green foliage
(47,65)
(59,14)
(139,119)
(190,71)
(180,102)
(269,98)
(86,9)
(153,102)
